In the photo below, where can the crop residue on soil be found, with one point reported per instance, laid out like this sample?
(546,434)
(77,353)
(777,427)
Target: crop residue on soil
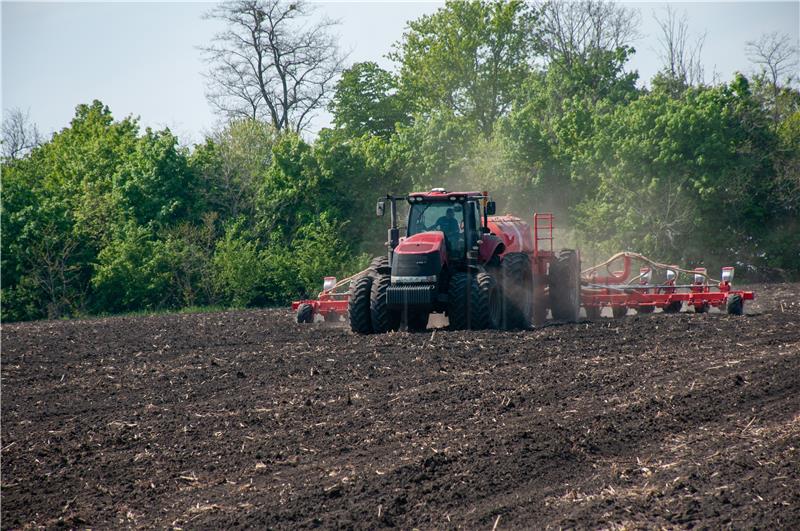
(247,419)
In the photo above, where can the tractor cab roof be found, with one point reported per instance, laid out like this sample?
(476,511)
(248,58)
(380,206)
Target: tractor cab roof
(440,194)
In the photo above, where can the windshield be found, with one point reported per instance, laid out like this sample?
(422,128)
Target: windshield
(446,217)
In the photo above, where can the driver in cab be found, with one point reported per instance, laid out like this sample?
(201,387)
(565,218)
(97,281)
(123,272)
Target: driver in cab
(448,225)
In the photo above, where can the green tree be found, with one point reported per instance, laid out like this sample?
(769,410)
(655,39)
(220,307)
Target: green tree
(367,101)
(231,166)
(468,57)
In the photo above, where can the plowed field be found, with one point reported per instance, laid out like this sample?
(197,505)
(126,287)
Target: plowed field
(241,419)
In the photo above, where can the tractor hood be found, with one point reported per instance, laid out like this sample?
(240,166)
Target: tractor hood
(419,257)
(423,243)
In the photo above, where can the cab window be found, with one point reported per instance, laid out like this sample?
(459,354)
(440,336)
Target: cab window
(444,216)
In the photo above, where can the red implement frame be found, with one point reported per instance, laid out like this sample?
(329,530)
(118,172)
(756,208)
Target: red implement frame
(329,304)
(618,290)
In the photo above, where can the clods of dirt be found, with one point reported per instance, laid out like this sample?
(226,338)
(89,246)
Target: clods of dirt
(240,419)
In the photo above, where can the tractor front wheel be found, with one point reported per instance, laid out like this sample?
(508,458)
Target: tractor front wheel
(383,318)
(359,307)
(467,307)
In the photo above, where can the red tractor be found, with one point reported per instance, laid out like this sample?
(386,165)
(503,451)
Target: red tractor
(456,257)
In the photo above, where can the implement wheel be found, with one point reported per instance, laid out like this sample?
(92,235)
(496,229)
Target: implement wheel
(701,308)
(735,304)
(673,307)
(467,307)
(565,286)
(359,310)
(517,289)
(383,318)
(305,313)
(619,311)
(645,309)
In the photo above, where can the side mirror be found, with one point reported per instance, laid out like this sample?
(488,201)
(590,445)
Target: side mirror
(380,208)
(491,208)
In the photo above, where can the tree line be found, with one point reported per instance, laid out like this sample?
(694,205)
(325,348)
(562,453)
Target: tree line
(530,101)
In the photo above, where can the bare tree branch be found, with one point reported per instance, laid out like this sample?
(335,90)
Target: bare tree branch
(271,63)
(20,134)
(778,57)
(681,59)
(573,30)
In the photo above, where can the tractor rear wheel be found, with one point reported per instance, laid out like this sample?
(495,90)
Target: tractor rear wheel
(517,289)
(358,308)
(467,306)
(305,313)
(735,304)
(565,286)
(494,301)
(383,318)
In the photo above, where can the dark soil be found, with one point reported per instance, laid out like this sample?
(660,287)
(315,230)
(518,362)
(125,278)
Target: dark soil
(245,419)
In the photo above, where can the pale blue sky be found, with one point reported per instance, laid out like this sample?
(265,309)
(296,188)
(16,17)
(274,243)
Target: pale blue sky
(141,58)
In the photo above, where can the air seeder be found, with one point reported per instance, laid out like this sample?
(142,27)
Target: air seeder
(621,290)
(456,257)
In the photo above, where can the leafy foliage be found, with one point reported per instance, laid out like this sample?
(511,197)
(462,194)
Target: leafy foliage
(103,217)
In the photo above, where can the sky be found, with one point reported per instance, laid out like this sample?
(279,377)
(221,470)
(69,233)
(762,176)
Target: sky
(142,58)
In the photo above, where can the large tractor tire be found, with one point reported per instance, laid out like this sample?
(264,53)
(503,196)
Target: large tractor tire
(735,304)
(305,314)
(565,286)
(383,318)
(467,307)
(379,265)
(494,301)
(517,289)
(359,306)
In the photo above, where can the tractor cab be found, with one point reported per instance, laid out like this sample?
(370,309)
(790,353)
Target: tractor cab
(457,216)
(451,223)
